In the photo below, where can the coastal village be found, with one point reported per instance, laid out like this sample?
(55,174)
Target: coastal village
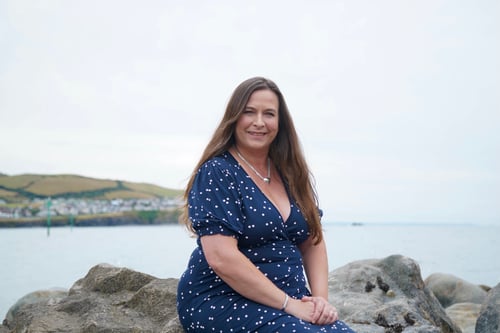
(74,207)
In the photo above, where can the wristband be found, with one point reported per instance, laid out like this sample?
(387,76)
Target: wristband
(285,303)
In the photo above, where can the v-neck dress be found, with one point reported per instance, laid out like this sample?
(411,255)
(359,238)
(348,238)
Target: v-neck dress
(225,200)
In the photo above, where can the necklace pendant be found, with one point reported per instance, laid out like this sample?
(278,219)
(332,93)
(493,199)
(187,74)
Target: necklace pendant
(267,179)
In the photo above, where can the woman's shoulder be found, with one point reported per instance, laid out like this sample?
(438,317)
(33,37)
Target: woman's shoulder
(218,170)
(224,162)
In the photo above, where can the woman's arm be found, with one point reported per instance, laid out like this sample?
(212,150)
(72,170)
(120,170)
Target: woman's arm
(244,277)
(316,266)
(315,261)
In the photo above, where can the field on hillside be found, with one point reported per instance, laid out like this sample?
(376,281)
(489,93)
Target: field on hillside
(20,188)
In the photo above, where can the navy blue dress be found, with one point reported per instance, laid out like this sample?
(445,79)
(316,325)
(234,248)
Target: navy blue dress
(225,200)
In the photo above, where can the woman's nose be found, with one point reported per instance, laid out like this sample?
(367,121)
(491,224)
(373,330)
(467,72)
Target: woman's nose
(258,120)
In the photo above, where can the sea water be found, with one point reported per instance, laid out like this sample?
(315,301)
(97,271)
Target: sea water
(36,258)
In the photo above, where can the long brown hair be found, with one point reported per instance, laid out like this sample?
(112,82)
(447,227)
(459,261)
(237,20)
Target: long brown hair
(285,152)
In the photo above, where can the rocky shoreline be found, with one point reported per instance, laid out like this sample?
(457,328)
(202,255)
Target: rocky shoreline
(373,296)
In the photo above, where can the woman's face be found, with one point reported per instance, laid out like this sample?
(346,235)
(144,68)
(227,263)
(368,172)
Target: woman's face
(258,124)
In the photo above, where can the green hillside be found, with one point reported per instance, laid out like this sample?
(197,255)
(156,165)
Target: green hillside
(18,188)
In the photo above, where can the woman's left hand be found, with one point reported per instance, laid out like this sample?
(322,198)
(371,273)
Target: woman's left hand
(324,312)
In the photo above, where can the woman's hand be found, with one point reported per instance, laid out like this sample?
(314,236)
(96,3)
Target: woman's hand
(300,309)
(324,313)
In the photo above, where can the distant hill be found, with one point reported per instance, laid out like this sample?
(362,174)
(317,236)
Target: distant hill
(31,186)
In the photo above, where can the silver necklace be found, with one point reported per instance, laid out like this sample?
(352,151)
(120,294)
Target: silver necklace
(267,179)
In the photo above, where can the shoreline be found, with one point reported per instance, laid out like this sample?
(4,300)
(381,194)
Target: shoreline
(104,220)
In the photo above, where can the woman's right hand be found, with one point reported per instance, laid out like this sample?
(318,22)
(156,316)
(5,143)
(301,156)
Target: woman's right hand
(301,309)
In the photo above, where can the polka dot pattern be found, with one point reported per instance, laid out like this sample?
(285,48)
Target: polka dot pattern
(224,200)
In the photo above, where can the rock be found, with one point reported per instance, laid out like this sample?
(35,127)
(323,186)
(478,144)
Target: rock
(489,316)
(120,300)
(450,289)
(413,308)
(464,315)
(48,297)
(107,299)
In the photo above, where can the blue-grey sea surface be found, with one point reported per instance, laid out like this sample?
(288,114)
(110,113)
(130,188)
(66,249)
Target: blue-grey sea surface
(33,259)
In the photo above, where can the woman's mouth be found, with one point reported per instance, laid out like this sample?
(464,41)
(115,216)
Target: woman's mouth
(257,133)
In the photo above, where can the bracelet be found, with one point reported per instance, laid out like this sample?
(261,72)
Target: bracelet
(285,303)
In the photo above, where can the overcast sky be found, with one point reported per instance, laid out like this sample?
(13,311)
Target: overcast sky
(397,103)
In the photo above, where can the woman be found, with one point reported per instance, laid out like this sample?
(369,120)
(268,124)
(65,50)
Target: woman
(252,204)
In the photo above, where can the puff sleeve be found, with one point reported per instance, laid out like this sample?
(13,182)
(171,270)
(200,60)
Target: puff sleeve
(214,203)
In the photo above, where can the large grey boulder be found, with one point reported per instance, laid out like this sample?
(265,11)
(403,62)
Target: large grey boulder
(385,296)
(489,317)
(450,290)
(107,299)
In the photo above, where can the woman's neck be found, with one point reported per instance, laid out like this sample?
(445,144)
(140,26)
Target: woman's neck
(258,158)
